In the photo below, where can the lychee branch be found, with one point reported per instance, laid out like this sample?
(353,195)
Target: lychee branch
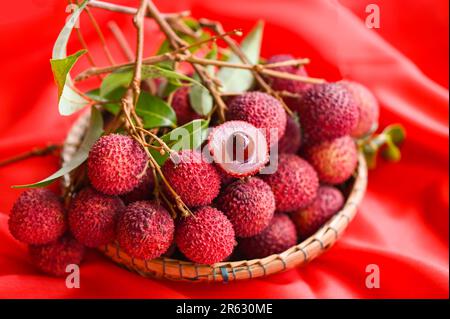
(43,151)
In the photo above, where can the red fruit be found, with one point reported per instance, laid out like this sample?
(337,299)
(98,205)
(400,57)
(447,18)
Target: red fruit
(335,160)
(115,164)
(308,220)
(195,180)
(143,191)
(37,217)
(182,106)
(276,238)
(93,217)
(294,184)
(249,205)
(145,230)
(53,258)
(292,139)
(261,110)
(207,237)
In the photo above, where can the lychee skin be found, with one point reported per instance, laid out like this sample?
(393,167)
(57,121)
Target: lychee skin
(249,205)
(143,191)
(145,230)
(93,217)
(292,139)
(276,238)
(37,217)
(308,220)
(369,109)
(294,184)
(207,237)
(182,106)
(195,180)
(328,111)
(54,257)
(262,110)
(335,160)
(115,164)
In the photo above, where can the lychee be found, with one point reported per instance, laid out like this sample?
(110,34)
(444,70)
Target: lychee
(249,205)
(238,148)
(195,180)
(308,220)
(182,106)
(207,237)
(328,111)
(335,160)
(53,258)
(294,183)
(93,217)
(292,139)
(143,191)
(261,110)
(276,238)
(37,217)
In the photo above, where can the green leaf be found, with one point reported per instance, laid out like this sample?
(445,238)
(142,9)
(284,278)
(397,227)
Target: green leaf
(391,152)
(94,131)
(62,67)
(396,132)
(155,112)
(118,79)
(238,80)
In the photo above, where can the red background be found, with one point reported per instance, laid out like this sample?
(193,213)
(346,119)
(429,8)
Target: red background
(402,225)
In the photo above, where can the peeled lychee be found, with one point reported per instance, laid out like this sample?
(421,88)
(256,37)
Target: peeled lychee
(195,180)
(294,184)
(93,217)
(54,257)
(328,111)
(308,220)
(292,139)
(261,110)
(182,106)
(335,160)
(143,191)
(249,205)
(276,238)
(207,237)
(37,217)
(145,230)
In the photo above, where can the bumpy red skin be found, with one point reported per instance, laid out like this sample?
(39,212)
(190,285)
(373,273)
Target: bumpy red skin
(196,181)
(260,109)
(145,230)
(207,237)
(143,191)
(93,217)
(37,217)
(369,109)
(292,139)
(276,238)
(329,200)
(294,184)
(182,106)
(328,111)
(335,160)
(54,257)
(115,164)
(225,178)
(249,205)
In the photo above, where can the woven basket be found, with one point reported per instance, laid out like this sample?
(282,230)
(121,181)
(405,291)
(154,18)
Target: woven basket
(174,269)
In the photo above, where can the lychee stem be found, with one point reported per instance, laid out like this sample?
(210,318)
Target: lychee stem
(37,151)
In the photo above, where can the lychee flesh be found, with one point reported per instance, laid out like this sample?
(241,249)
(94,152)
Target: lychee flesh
(294,184)
(145,230)
(207,237)
(292,139)
(182,106)
(249,205)
(276,238)
(37,217)
(196,181)
(115,164)
(335,160)
(143,191)
(93,217)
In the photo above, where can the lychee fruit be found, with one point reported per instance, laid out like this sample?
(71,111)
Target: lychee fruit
(53,258)
(207,237)
(292,139)
(249,205)
(335,160)
(328,111)
(369,109)
(294,183)
(143,191)
(238,148)
(93,217)
(145,230)
(276,238)
(182,106)
(308,220)
(37,217)
(196,181)
(261,110)
(115,164)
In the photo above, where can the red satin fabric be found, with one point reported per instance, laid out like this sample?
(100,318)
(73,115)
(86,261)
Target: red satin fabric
(402,224)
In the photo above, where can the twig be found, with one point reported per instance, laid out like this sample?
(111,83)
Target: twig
(43,151)
(121,40)
(294,62)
